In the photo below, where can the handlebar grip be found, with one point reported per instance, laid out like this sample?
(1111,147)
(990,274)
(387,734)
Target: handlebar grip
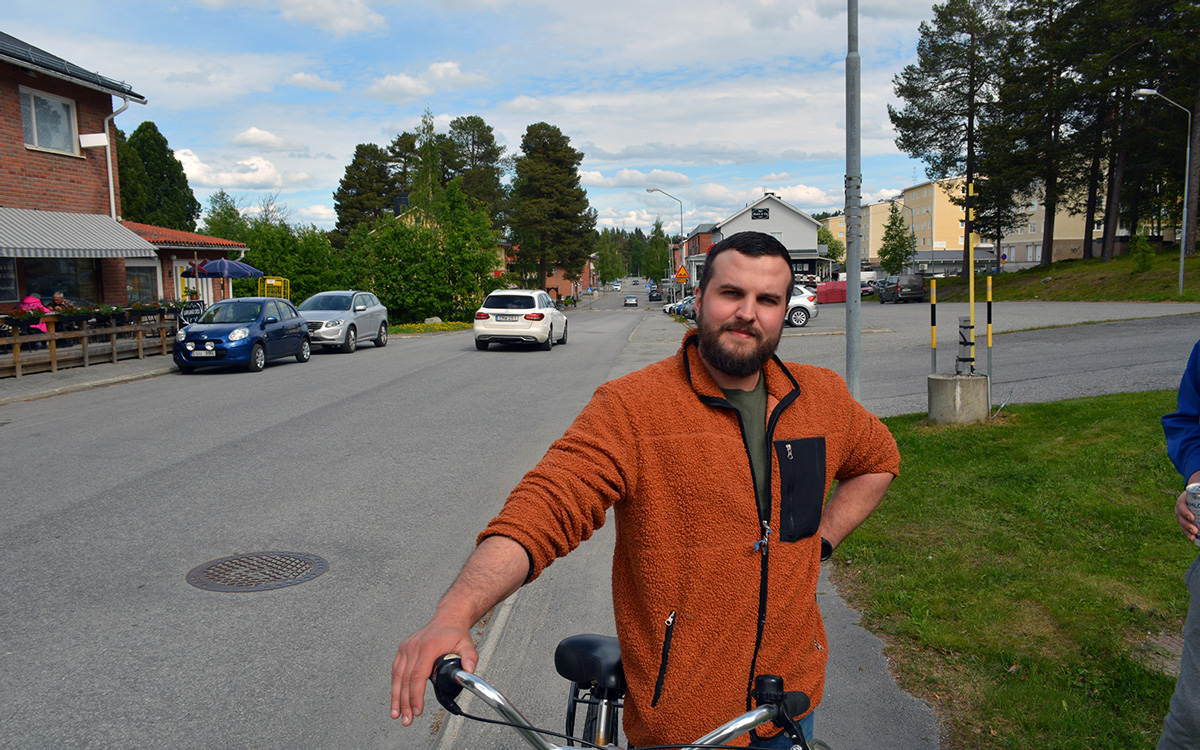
(796,703)
(445,687)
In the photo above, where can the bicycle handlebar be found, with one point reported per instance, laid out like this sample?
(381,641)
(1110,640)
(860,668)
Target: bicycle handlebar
(449,679)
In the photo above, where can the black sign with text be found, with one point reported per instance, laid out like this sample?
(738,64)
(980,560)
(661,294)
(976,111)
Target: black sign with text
(190,312)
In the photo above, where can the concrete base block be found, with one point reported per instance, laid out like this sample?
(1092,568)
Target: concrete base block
(958,399)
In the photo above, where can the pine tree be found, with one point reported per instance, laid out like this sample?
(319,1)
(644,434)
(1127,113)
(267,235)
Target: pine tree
(366,191)
(170,202)
(551,220)
(948,90)
(131,175)
(898,248)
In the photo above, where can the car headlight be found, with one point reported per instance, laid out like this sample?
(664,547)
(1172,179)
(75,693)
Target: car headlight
(334,323)
(239,333)
(181,335)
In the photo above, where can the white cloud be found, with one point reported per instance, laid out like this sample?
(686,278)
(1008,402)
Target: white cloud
(401,88)
(341,17)
(259,139)
(318,214)
(314,82)
(254,173)
(625,178)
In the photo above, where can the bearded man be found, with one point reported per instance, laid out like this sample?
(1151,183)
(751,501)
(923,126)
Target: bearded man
(722,518)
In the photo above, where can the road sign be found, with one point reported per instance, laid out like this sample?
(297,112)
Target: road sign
(681,275)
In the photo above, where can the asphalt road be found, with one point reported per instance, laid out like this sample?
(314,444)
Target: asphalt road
(386,463)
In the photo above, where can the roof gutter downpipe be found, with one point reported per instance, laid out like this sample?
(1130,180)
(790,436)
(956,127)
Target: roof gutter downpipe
(112,193)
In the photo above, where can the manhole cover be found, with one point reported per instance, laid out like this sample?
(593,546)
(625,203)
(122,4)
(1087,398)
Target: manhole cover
(261,571)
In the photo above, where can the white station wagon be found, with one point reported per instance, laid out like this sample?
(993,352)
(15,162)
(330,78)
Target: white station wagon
(519,316)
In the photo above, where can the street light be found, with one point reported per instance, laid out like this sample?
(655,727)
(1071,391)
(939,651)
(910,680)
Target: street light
(1187,173)
(681,233)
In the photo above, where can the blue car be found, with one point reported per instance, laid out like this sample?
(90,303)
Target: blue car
(245,331)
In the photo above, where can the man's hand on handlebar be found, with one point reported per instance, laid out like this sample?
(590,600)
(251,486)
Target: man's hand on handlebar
(414,663)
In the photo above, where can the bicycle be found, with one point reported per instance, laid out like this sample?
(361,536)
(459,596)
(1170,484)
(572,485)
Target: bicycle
(593,665)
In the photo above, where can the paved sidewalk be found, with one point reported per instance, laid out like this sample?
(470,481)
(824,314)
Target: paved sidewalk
(44,384)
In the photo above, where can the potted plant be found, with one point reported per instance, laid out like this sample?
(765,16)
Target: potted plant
(191,292)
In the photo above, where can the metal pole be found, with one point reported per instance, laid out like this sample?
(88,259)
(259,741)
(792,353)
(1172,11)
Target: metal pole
(1187,173)
(853,200)
(682,253)
(933,326)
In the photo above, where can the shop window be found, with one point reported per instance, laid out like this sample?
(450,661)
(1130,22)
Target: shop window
(74,277)
(141,283)
(48,122)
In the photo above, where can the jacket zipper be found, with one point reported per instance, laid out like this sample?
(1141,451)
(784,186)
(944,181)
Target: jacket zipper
(666,652)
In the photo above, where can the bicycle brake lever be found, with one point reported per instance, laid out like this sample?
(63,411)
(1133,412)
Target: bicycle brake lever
(445,687)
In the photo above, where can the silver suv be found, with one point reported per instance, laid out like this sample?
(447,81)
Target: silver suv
(343,318)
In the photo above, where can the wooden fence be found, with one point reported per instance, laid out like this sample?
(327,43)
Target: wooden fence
(24,351)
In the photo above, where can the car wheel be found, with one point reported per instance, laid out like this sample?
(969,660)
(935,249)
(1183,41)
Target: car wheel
(305,352)
(563,340)
(481,345)
(881,299)
(258,359)
(798,317)
(351,342)
(549,343)
(381,339)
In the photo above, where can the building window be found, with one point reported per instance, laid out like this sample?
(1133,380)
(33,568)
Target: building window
(1033,227)
(48,122)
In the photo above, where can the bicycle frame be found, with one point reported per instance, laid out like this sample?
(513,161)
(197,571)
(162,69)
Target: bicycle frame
(449,679)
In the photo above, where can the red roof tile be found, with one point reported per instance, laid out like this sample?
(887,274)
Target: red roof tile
(164,236)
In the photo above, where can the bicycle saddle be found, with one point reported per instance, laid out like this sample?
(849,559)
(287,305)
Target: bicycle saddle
(591,659)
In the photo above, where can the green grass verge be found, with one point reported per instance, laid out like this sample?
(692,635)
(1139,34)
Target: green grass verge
(1016,567)
(412,328)
(1086,281)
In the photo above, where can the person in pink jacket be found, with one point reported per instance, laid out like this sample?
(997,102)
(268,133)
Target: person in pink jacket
(32,302)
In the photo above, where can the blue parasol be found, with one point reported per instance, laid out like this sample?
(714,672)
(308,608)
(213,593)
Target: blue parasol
(222,268)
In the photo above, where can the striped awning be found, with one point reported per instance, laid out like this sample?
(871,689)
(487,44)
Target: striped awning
(25,233)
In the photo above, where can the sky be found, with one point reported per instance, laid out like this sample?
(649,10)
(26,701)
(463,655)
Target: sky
(712,101)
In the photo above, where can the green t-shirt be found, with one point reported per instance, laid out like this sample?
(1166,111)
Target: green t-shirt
(752,406)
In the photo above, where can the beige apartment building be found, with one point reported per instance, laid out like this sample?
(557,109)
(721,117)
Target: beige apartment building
(874,221)
(1023,247)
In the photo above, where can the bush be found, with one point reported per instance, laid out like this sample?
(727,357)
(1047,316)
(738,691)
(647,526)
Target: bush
(1141,252)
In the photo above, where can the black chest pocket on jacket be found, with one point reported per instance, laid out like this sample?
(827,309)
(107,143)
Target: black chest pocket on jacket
(802,486)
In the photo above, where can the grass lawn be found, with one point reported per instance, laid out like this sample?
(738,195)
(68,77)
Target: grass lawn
(1086,281)
(1016,568)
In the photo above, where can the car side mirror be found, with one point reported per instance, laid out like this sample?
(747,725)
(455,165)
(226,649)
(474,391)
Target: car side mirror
(271,319)
(359,308)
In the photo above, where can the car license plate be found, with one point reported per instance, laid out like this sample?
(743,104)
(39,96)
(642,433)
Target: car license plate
(507,318)
(203,353)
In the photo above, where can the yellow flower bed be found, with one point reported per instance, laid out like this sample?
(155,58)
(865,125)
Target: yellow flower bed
(411,328)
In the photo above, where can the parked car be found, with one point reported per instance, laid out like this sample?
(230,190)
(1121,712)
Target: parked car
(866,289)
(687,308)
(519,316)
(345,317)
(630,301)
(902,289)
(676,308)
(655,295)
(616,286)
(245,331)
(802,307)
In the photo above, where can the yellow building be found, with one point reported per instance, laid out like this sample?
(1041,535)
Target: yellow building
(874,221)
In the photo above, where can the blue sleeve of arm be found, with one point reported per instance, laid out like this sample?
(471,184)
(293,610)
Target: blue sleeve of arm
(1182,428)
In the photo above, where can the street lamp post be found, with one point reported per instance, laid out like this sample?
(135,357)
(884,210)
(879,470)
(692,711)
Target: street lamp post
(682,237)
(1187,173)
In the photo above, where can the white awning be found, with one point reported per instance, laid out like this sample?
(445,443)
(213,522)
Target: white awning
(26,233)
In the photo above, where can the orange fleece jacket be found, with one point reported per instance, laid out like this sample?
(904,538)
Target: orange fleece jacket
(662,447)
